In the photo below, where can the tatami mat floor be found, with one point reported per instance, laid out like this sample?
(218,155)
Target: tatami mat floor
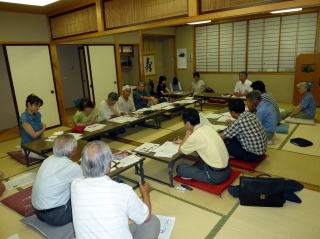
(200,214)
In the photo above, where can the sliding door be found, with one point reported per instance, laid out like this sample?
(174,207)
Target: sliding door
(102,73)
(31,72)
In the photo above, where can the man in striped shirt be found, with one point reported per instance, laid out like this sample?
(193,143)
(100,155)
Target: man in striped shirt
(266,96)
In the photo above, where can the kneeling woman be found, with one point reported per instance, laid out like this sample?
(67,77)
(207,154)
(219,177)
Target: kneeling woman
(31,127)
(87,114)
(213,167)
(307,107)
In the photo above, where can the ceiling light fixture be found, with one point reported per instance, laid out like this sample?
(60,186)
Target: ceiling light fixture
(31,2)
(287,10)
(199,22)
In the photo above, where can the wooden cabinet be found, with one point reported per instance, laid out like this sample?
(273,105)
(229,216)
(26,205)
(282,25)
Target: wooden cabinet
(308,69)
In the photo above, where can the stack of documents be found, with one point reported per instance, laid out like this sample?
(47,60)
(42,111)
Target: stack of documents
(123,119)
(94,127)
(76,135)
(160,105)
(52,137)
(213,116)
(185,101)
(125,158)
(142,110)
(147,148)
(166,226)
(167,150)
(225,118)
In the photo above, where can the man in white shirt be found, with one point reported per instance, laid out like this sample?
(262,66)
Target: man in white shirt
(101,207)
(213,167)
(198,85)
(51,188)
(243,85)
(125,101)
(109,108)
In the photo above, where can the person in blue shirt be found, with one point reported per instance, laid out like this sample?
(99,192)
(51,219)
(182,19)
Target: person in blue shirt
(175,84)
(307,107)
(31,127)
(141,97)
(264,111)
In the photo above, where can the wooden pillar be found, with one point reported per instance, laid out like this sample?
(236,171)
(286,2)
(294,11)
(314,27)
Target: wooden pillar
(100,15)
(58,83)
(118,62)
(141,53)
(193,8)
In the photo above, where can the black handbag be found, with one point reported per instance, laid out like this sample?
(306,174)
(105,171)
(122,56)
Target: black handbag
(262,191)
(301,142)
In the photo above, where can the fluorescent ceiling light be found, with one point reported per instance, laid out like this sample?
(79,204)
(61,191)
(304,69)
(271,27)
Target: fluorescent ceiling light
(200,22)
(287,10)
(31,2)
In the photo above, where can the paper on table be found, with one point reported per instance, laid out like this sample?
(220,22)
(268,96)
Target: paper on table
(166,226)
(185,101)
(76,135)
(242,97)
(14,236)
(21,180)
(131,159)
(94,127)
(142,110)
(169,107)
(224,118)
(189,98)
(147,147)
(167,149)
(123,119)
(213,116)
(226,114)
(58,133)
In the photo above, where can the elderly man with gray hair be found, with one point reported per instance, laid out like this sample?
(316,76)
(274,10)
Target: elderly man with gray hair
(264,111)
(109,108)
(101,207)
(51,188)
(125,102)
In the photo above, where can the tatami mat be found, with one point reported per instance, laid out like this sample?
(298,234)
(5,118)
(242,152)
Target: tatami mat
(279,139)
(173,124)
(309,132)
(142,134)
(191,221)
(220,205)
(304,168)
(294,221)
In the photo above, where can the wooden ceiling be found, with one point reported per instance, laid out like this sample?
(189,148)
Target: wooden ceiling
(36,9)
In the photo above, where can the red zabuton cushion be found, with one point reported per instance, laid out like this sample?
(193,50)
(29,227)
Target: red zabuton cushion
(215,189)
(218,101)
(19,157)
(20,202)
(246,165)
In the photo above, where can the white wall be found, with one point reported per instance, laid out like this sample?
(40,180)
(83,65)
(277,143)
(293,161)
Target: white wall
(8,117)
(70,73)
(22,27)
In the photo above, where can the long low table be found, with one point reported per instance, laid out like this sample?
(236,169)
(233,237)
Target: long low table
(206,96)
(38,146)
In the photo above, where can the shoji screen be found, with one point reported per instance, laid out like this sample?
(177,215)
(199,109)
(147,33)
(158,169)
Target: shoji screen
(31,72)
(103,71)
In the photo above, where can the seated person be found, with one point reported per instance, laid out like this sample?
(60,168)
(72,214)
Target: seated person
(243,85)
(101,207)
(87,114)
(109,108)
(151,88)
(175,85)
(198,85)
(141,97)
(213,167)
(51,188)
(125,101)
(266,96)
(264,111)
(307,107)
(31,127)
(162,89)
(2,187)
(245,138)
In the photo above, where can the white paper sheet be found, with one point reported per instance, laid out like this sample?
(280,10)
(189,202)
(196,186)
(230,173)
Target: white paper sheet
(224,118)
(94,127)
(58,133)
(147,147)
(20,181)
(213,116)
(131,159)
(123,119)
(166,226)
(14,236)
(167,149)
(76,135)
(185,101)
(189,98)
